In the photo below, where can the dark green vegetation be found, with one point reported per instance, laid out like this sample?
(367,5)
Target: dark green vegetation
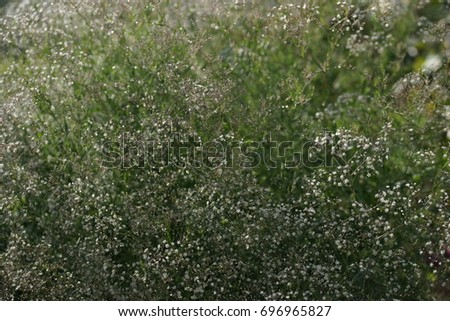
(362,82)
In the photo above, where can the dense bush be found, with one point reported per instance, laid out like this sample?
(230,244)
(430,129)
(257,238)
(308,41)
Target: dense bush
(358,208)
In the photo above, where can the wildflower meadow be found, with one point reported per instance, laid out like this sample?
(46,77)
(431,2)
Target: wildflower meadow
(225,150)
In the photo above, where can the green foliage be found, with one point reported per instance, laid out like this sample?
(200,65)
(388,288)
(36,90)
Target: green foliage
(362,84)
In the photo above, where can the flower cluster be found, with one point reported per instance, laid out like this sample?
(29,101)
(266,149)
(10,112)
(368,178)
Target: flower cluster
(367,219)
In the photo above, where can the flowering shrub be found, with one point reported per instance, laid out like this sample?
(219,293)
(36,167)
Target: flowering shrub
(352,205)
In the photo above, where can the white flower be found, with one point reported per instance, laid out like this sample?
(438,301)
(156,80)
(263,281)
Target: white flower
(432,63)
